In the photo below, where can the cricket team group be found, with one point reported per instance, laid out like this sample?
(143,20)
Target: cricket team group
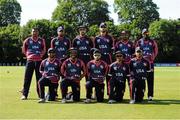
(102,61)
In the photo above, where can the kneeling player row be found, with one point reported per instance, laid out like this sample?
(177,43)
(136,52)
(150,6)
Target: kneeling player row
(72,70)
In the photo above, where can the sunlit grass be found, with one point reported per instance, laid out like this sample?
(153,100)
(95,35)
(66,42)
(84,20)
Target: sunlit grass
(166,103)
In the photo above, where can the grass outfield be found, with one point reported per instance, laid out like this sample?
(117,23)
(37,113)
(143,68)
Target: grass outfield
(166,103)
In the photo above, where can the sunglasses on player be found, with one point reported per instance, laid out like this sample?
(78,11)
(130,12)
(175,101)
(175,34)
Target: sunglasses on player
(119,55)
(97,55)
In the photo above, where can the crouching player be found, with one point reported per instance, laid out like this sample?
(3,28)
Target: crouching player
(118,72)
(50,70)
(71,75)
(96,71)
(138,69)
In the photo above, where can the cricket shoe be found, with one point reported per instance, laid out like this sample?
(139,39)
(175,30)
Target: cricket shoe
(132,102)
(87,101)
(111,101)
(41,101)
(63,101)
(150,98)
(23,98)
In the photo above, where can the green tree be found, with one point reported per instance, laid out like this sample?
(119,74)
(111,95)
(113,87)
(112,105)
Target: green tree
(78,12)
(139,13)
(167,34)
(10,50)
(10,12)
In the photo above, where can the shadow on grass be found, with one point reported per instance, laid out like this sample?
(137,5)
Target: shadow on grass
(125,101)
(164,102)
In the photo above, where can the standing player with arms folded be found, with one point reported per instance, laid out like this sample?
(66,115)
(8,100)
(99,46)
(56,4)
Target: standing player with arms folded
(61,44)
(150,51)
(71,71)
(125,46)
(139,68)
(34,49)
(96,70)
(50,70)
(83,44)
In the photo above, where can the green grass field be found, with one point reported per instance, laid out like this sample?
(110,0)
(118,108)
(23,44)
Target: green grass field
(166,103)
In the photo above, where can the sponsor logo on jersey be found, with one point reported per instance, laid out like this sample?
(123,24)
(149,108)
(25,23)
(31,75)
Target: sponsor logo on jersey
(144,64)
(37,52)
(115,68)
(78,65)
(101,66)
(129,45)
(57,43)
(134,64)
(124,68)
(120,45)
(78,42)
(69,65)
(87,42)
(98,40)
(65,43)
(107,40)
(30,41)
(39,42)
(93,66)
(47,63)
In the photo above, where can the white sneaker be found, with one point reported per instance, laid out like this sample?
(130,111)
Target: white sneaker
(41,101)
(131,101)
(70,100)
(87,101)
(63,101)
(111,101)
(23,98)
(150,98)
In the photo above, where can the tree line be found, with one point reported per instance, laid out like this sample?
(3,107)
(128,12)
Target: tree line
(133,16)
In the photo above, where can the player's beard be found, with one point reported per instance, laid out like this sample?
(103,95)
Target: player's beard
(82,33)
(52,56)
(97,59)
(35,36)
(73,57)
(119,60)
